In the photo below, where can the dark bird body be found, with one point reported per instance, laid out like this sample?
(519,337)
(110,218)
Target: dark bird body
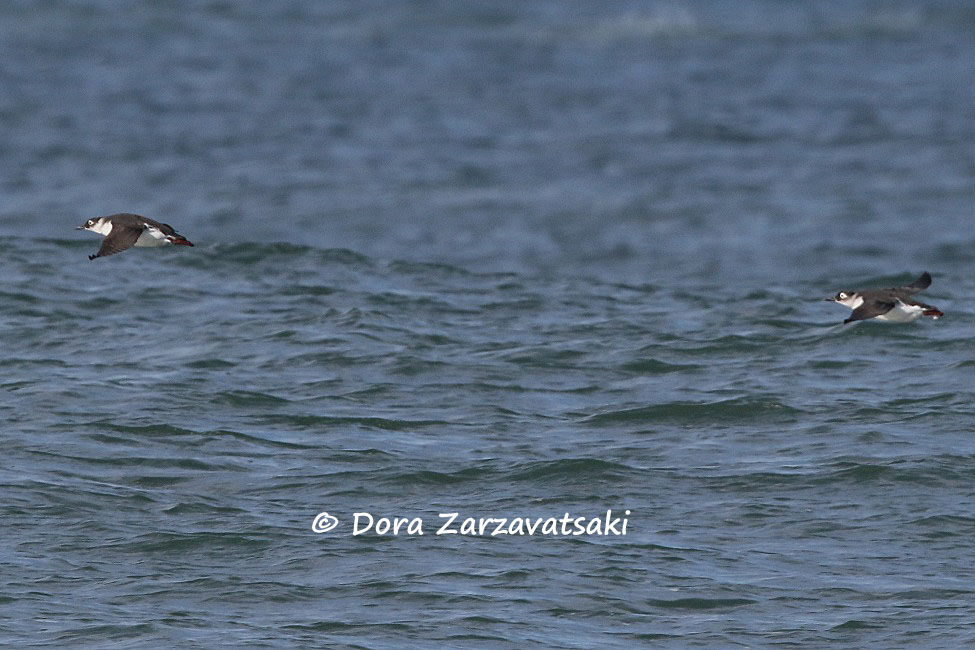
(126,230)
(894,304)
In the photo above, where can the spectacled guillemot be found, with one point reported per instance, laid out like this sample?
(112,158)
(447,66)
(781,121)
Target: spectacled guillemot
(126,230)
(894,304)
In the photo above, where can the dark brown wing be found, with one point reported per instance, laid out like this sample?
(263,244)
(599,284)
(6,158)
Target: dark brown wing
(118,240)
(130,220)
(870,309)
(923,282)
(164,228)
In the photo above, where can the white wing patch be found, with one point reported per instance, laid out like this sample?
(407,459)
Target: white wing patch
(151,236)
(902,313)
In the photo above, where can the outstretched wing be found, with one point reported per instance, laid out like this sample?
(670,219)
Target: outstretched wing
(118,240)
(923,282)
(870,309)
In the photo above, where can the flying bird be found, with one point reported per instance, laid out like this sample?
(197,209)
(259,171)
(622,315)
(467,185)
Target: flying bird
(126,230)
(894,304)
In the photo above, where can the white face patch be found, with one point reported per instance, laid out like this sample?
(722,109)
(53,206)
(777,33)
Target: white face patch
(101,226)
(849,300)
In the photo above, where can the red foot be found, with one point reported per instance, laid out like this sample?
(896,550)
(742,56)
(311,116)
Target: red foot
(180,241)
(936,313)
